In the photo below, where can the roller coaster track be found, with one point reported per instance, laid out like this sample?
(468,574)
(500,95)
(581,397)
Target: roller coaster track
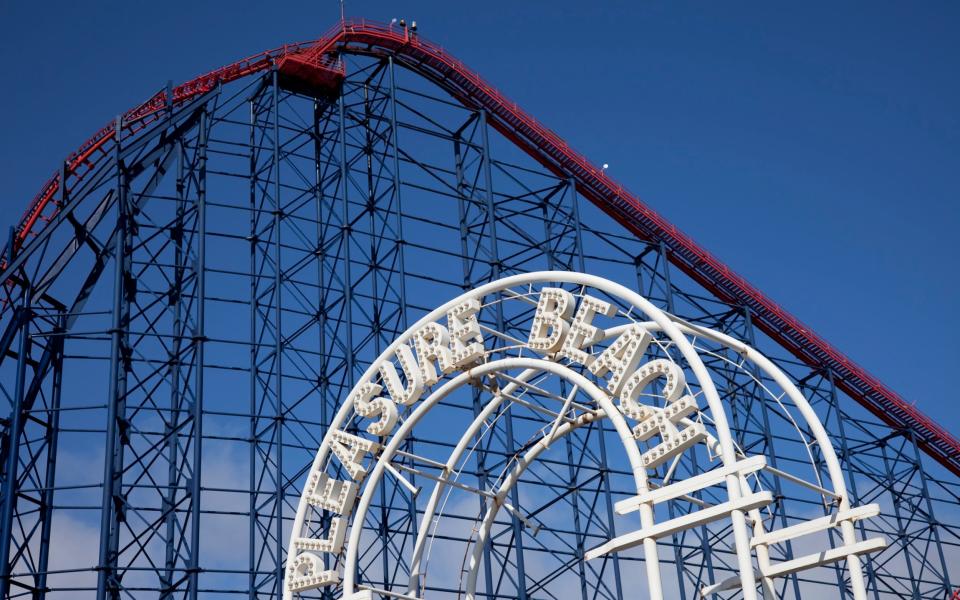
(431,61)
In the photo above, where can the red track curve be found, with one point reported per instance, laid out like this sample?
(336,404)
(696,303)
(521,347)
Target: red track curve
(547,148)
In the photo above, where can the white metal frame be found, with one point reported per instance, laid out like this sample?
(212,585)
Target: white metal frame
(743,505)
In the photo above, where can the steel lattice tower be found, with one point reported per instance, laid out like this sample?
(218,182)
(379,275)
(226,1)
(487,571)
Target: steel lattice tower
(189,298)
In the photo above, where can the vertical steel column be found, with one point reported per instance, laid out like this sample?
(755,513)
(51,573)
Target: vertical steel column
(53,436)
(172,424)
(839,567)
(667,283)
(901,530)
(572,461)
(267,412)
(401,241)
(254,370)
(278,339)
(462,211)
(112,505)
(371,210)
(770,448)
(346,228)
(578,227)
(604,469)
(608,502)
(677,539)
(846,459)
(931,518)
(322,381)
(372,89)
(319,251)
(577,529)
(15,430)
(494,275)
(401,259)
(491,210)
(546,246)
(378,301)
(199,338)
(663,260)
(465,260)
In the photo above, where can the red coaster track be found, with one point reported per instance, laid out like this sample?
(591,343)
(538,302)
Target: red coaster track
(546,147)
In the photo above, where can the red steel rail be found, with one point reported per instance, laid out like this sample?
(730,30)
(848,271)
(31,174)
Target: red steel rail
(550,150)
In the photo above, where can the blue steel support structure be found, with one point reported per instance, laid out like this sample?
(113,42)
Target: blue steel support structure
(208,293)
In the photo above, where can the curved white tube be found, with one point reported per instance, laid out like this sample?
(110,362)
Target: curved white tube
(677,331)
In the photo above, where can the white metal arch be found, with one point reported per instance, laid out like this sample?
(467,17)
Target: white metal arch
(768,368)
(677,332)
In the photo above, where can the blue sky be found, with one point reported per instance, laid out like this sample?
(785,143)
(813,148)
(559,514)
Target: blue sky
(814,148)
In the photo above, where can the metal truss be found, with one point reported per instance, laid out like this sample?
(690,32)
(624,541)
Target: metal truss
(204,293)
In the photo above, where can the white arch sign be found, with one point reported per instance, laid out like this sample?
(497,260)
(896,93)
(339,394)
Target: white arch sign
(623,360)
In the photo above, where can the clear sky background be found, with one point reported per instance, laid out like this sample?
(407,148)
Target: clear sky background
(814,148)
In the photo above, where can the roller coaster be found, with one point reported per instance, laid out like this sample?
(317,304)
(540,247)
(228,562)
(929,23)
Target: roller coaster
(192,297)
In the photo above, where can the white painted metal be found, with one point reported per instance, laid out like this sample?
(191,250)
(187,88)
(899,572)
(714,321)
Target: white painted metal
(589,388)
(813,424)
(807,527)
(825,558)
(731,474)
(678,524)
(692,484)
